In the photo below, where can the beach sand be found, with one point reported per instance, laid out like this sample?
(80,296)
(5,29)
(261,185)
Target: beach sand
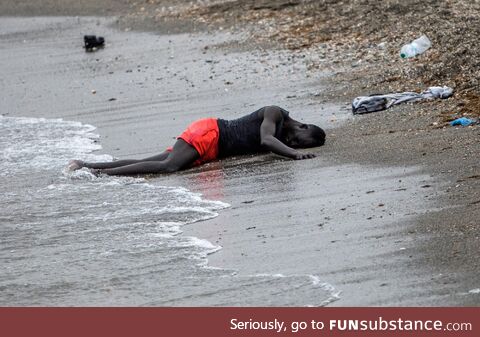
(386,213)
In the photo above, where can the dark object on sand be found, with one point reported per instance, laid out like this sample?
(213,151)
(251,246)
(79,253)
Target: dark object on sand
(92,42)
(366,104)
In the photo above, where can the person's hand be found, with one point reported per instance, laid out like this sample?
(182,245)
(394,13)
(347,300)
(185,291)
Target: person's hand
(300,156)
(96,172)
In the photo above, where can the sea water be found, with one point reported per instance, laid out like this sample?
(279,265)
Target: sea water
(71,238)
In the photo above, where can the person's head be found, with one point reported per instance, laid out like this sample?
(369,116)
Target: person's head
(300,135)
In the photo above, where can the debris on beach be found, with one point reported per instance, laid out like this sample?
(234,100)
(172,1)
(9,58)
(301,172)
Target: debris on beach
(92,42)
(366,104)
(330,36)
(416,47)
(463,121)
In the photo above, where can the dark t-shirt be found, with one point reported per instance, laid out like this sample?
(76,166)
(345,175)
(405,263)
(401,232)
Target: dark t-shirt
(242,135)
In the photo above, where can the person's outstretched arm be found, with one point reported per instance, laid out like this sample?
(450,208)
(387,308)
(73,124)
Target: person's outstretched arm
(271,116)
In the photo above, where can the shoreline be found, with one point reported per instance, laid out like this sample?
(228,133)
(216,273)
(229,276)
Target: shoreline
(445,240)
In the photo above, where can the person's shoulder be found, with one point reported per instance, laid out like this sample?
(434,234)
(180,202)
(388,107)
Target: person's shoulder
(277,110)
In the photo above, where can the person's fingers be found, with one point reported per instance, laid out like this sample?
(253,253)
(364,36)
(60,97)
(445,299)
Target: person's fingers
(301,156)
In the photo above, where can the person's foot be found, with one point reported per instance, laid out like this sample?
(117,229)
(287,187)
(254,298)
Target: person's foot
(74,165)
(95,172)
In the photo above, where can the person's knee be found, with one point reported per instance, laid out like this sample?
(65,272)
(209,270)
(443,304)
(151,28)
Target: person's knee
(171,166)
(171,169)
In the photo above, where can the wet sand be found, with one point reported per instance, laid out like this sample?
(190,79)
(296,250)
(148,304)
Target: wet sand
(363,227)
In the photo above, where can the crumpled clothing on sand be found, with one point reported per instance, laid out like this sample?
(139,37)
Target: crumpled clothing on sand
(366,104)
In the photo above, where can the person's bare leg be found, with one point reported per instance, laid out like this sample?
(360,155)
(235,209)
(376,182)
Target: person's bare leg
(78,164)
(182,156)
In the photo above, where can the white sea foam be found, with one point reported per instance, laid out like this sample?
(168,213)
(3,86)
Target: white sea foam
(39,143)
(334,294)
(202,248)
(201,243)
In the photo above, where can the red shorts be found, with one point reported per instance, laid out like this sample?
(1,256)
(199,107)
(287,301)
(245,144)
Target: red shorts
(203,136)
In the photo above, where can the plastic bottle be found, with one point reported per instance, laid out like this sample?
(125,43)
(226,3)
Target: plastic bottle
(415,47)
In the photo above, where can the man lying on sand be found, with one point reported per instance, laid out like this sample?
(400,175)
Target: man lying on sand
(267,129)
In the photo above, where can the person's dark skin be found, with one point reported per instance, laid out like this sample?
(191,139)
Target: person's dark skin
(294,135)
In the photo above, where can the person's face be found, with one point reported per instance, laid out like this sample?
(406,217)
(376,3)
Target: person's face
(300,136)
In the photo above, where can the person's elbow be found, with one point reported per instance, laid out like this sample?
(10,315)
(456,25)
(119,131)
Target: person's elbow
(273,108)
(266,142)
